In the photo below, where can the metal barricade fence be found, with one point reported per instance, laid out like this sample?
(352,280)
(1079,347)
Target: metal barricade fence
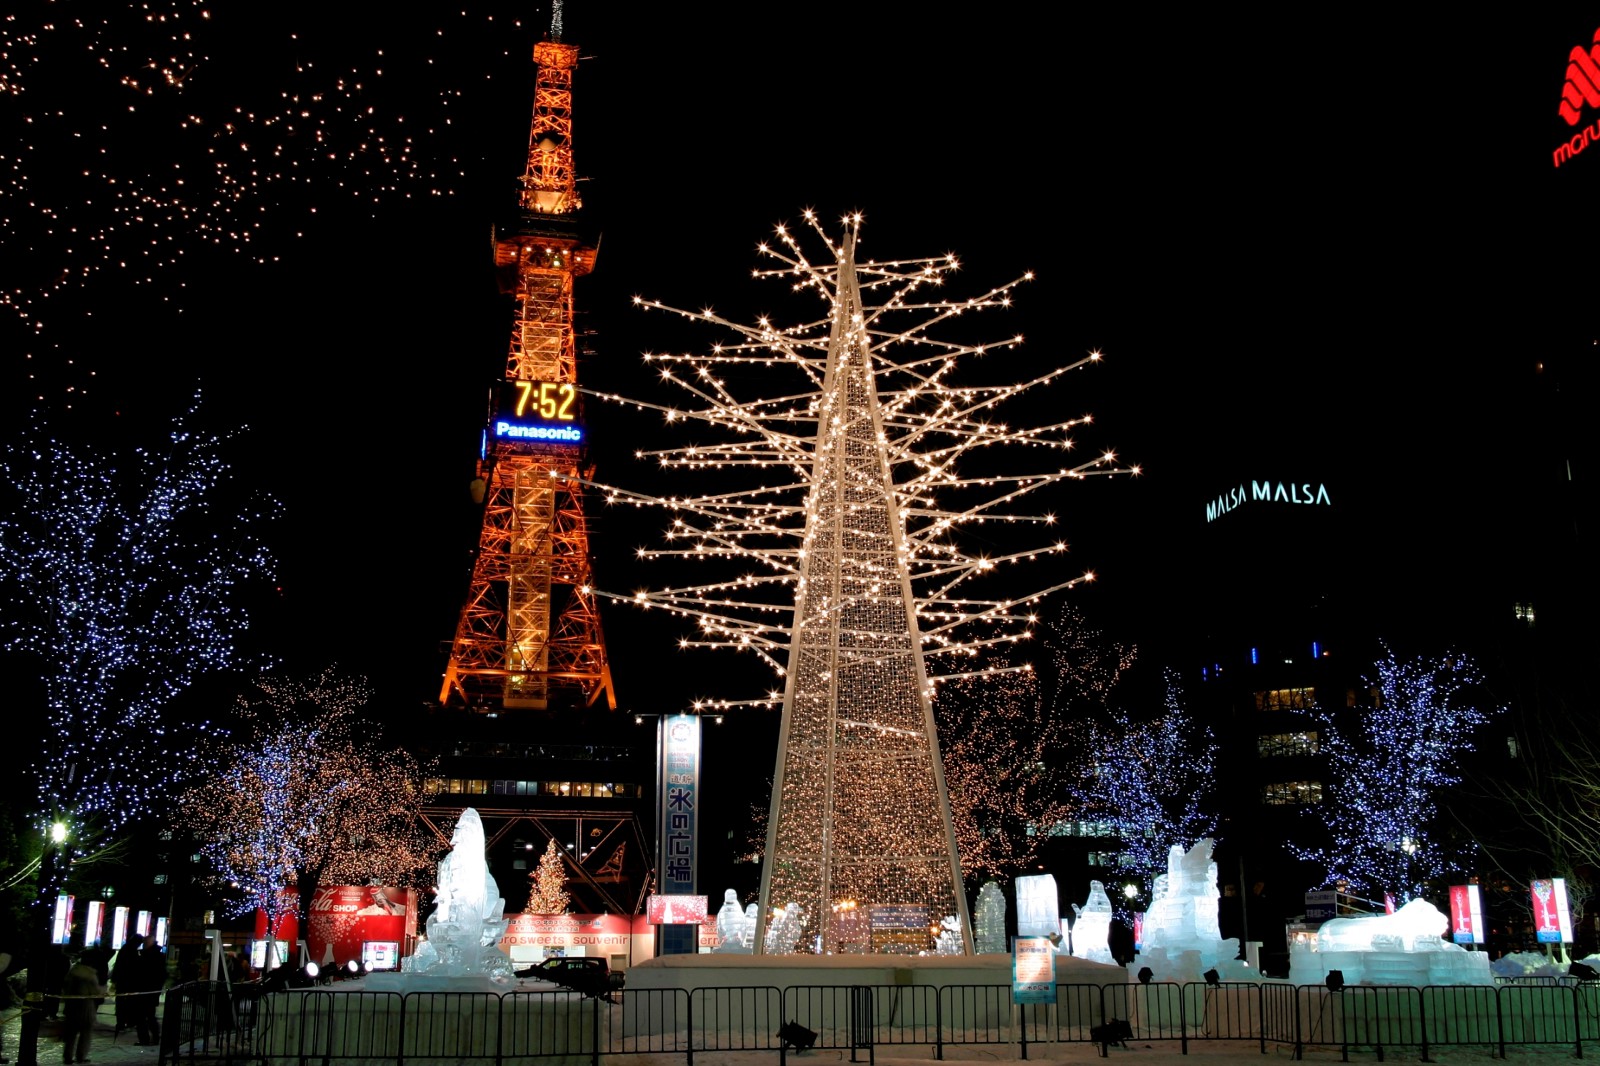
(734,1019)
(324,1027)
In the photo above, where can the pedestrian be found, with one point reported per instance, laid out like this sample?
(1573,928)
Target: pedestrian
(80,994)
(152,979)
(126,982)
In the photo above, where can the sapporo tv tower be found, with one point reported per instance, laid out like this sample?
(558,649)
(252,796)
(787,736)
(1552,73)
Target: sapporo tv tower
(529,635)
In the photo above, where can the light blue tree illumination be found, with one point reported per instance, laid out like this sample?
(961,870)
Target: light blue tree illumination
(120,583)
(1388,763)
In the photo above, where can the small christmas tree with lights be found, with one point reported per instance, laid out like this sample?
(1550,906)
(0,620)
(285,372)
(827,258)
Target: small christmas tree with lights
(549,894)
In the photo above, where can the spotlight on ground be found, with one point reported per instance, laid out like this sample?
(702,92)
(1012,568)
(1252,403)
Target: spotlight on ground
(1335,980)
(797,1036)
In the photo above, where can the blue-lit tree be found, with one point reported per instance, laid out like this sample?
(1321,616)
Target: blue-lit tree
(1152,778)
(121,579)
(1388,761)
(307,794)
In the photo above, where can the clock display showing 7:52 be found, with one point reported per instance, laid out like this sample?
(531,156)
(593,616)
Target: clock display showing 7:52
(547,401)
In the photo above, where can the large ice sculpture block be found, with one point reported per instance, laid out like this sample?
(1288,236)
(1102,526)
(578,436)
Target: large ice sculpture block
(1091,926)
(1038,906)
(1182,938)
(990,935)
(468,920)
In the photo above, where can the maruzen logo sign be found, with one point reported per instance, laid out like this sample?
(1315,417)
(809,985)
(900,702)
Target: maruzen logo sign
(1582,89)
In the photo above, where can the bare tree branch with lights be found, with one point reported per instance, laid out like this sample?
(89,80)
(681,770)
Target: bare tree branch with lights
(1389,762)
(304,798)
(1152,777)
(849,450)
(122,569)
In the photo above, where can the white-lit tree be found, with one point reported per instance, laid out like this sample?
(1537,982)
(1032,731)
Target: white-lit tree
(122,570)
(304,794)
(854,449)
(1152,777)
(548,892)
(1388,763)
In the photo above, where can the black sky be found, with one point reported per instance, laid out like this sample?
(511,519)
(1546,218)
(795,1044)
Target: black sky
(1313,247)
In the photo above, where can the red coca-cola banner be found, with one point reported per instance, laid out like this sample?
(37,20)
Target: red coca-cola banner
(346,916)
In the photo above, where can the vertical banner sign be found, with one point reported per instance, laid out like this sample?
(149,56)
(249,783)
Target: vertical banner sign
(94,924)
(119,927)
(1138,930)
(678,800)
(1552,918)
(1466,914)
(61,922)
(1388,903)
(1033,970)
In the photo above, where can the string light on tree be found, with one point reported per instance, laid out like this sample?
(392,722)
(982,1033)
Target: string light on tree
(121,570)
(1388,762)
(303,799)
(850,453)
(548,893)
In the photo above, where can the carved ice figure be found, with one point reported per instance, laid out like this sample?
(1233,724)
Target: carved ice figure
(733,937)
(468,922)
(783,935)
(1403,948)
(949,940)
(990,921)
(1181,935)
(1038,906)
(749,937)
(1091,926)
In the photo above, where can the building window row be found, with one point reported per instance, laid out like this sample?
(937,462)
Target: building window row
(1304,742)
(1103,858)
(444,786)
(1287,699)
(501,749)
(1075,829)
(1292,793)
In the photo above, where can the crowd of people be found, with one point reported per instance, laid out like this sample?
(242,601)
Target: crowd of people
(74,986)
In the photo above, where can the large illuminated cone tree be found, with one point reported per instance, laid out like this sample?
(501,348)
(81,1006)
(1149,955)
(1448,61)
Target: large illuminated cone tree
(863,598)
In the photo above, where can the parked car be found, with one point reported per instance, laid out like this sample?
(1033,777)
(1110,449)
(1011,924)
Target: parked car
(587,974)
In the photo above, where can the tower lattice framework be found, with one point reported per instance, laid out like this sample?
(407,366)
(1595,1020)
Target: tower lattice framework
(529,634)
(859,814)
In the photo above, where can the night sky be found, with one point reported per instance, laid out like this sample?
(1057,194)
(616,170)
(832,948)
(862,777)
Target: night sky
(1319,249)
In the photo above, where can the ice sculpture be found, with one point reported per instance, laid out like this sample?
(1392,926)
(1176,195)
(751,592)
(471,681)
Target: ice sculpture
(468,922)
(1182,939)
(785,929)
(734,930)
(949,940)
(1403,948)
(990,938)
(1038,906)
(1091,926)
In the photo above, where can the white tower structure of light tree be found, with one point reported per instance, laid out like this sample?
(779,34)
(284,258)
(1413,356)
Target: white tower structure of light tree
(862,597)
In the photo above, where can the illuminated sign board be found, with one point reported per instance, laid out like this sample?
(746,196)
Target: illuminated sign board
(1466,914)
(1033,970)
(380,954)
(119,927)
(93,923)
(542,412)
(677,910)
(61,922)
(1552,917)
(1267,492)
(1581,88)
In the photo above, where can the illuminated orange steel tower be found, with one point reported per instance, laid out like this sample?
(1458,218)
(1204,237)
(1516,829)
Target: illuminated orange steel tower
(529,634)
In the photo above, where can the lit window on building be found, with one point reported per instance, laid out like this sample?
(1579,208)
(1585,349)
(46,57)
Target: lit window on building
(1292,793)
(1525,613)
(1287,699)
(1511,747)
(1302,743)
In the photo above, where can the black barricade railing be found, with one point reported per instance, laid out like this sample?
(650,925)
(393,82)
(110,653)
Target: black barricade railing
(735,1019)
(645,1020)
(973,1014)
(210,1023)
(1462,1014)
(1079,1009)
(1229,1010)
(1280,1015)
(1539,1014)
(1153,1011)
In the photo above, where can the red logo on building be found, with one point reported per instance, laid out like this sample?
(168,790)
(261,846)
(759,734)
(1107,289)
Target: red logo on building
(1582,88)
(1583,82)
